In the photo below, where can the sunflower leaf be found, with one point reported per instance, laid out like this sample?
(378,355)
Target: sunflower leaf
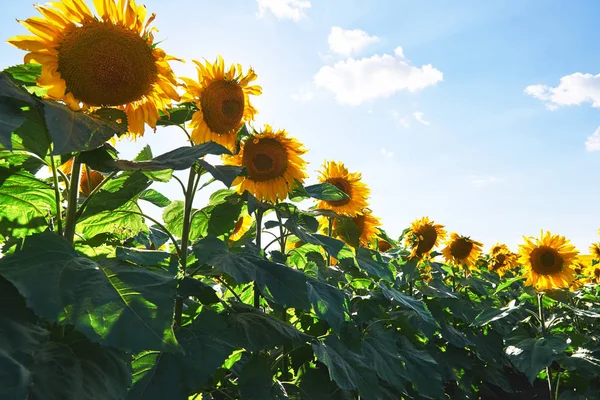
(326,191)
(223,173)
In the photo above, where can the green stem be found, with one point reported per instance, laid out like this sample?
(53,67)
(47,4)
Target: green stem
(93,192)
(285,350)
(543,328)
(57,197)
(185,236)
(72,202)
(329,233)
(259,217)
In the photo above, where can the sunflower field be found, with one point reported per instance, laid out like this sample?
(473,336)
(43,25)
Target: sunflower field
(272,289)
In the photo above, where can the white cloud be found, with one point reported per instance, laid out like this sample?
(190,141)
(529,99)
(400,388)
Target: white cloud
(284,9)
(355,81)
(399,52)
(386,153)
(419,117)
(592,143)
(401,120)
(573,89)
(349,41)
(303,95)
(482,181)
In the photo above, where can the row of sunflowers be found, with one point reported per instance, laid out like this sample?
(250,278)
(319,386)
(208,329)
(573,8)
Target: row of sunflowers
(102,301)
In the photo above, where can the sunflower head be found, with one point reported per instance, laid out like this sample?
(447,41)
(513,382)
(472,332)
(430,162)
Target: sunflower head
(548,261)
(108,60)
(592,273)
(364,227)
(273,163)
(90,179)
(222,96)
(595,250)
(350,183)
(423,236)
(461,250)
(242,225)
(502,259)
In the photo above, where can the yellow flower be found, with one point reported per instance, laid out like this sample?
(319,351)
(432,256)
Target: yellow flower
(106,61)
(548,260)
(222,97)
(367,226)
(273,164)
(242,225)
(461,250)
(592,273)
(595,250)
(90,179)
(502,259)
(423,236)
(337,174)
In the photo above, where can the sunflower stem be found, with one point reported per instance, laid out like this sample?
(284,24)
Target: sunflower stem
(93,192)
(72,200)
(57,197)
(543,329)
(259,217)
(329,233)
(285,349)
(185,235)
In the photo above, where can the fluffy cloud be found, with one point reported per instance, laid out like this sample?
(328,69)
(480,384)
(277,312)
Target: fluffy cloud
(573,89)
(303,95)
(419,116)
(347,42)
(592,143)
(355,81)
(284,9)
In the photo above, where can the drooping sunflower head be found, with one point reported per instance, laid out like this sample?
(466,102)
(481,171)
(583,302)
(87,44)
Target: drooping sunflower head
(548,261)
(350,183)
(595,250)
(222,98)
(273,163)
(423,236)
(109,60)
(502,259)
(461,250)
(242,225)
(364,227)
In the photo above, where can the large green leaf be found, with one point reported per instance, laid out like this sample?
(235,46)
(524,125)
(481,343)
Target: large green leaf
(256,330)
(530,355)
(112,303)
(348,369)
(25,203)
(207,343)
(256,380)
(154,197)
(333,246)
(223,173)
(25,74)
(379,348)
(121,222)
(372,262)
(329,303)
(325,191)
(157,376)
(495,314)
(421,369)
(409,302)
(11,117)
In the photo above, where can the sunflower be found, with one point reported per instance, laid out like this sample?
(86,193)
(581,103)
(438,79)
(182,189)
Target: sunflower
(222,98)
(367,229)
(273,164)
(90,179)
(502,259)
(384,245)
(242,225)
(595,250)
(548,260)
(461,250)
(109,60)
(423,236)
(350,183)
(592,273)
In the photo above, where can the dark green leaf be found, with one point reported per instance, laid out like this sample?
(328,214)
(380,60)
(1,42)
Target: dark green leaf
(117,192)
(422,370)
(371,262)
(379,348)
(223,173)
(157,376)
(112,303)
(530,356)
(329,303)
(222,218)
(256,380)
(154,197)
(11,117)
(495,314)
(325,191)
(25,203)
(178,115)
(157,261)
(198,289)
(409,302)
(173,219)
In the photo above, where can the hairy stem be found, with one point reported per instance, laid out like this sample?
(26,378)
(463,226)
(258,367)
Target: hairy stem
(543,328)
(72,201)
(57,197)
(259,216)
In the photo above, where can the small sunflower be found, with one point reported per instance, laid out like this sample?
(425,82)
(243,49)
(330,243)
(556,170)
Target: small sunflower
(502,259)
(273,163)
(592,273)
(384,245)
(367,226)
(595,250)
(423,236)
(109,60)
(242,225)
(350,183)
(548,260)
(461,250)
(222,98)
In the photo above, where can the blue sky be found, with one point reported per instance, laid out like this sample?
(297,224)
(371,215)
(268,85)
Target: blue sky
(481,115)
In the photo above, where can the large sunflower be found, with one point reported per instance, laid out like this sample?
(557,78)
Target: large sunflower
(502,259)
(367,226)
(461,250)
(222,97)
(548,260)
(423,236)
(273,164)
(348,182)
(109,60)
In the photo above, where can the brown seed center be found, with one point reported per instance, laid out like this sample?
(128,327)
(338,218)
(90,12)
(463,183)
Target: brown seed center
(106,65)
(427,237)
(546,261)
(222,104)
(264,159)
(461,248)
